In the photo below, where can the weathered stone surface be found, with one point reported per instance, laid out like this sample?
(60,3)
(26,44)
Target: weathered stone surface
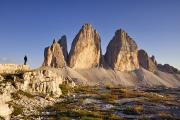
(53,56)
(5,109)
(12,68)
(167,68)
(154,60)
(146,62)
(85,51)
(1,78)
(63,43)
(121,53)
(42,82)
(6,88)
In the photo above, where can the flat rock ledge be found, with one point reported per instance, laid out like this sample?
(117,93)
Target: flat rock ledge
(13,68)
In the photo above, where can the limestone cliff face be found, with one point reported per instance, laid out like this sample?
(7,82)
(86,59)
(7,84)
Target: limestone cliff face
(85,51)
(167,68)
(146,62)
(42,82)
(121,53)
(53,56)
(63,44)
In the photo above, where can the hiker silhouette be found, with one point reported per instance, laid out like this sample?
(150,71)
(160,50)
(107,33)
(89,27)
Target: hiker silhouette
(25,60)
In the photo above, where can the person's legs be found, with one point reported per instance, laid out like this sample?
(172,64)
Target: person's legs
(25,62)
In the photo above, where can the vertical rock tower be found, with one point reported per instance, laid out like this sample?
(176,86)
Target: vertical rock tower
(121,53)
(85,51)
(63,44)
(146,62)
(53,56)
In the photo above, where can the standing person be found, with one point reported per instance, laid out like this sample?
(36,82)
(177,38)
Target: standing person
(25,60)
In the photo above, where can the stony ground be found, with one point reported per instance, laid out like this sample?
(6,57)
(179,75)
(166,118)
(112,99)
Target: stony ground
(106,103)
(98,103)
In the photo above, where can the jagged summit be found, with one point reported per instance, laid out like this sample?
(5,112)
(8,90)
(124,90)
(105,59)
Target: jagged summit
(122,66)
(146,62)
(85,51)
(53,56)
(121,54)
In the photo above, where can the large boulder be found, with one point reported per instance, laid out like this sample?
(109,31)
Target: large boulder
(168,69)
(43,81)
(121,53)
(63,43)
(53,56)
(146,62)
(85,51)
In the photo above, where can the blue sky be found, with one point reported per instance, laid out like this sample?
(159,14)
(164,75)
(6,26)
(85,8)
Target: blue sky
(28,26)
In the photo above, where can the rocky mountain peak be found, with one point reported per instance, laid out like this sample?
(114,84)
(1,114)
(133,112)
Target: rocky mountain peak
(53,56)
(121,53)
(85,51)
(149,63)
(168,69)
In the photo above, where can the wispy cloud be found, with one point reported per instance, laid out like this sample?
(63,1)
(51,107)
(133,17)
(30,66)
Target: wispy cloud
(4,60)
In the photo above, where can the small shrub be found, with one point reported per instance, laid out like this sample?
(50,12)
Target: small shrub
(115,117)
(108,97)
(87,113)
(65,118)
(90,118)
(65,89)
(25,94)
(109,86)
(137,110)
(1,118)
(15,96)
(17,109)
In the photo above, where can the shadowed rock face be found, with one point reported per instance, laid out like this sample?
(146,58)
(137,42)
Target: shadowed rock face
(167,68)
(85,51)
(63,44)
(53,56)
(146,62)
(121,53)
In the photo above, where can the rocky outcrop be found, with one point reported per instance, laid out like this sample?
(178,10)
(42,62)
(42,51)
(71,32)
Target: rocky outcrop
(6,89)
(154,60)
(63,43)
(121,53)
(42,82)
(13,68)
(5,109)
(146,62)
(167,68)
(1,78)
(53,56)
(85,51)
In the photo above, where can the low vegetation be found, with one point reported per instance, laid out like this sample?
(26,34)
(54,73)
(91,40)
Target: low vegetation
(133,110)
(17,95)
(18,110)
(102,103)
